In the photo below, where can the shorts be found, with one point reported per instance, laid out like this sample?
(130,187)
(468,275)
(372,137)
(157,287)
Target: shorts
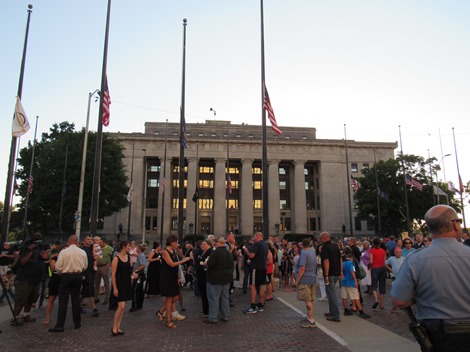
(306,292)
(88,284)
(349,292)
(258,277)
(26,292)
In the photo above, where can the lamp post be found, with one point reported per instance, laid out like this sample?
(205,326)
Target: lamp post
(82,173)
(144,205)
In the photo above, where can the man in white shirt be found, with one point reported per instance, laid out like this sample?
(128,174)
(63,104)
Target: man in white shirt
(71,263)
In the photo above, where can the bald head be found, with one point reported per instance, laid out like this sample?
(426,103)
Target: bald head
(440,221)
(324,236)
(258,236)
(72,240)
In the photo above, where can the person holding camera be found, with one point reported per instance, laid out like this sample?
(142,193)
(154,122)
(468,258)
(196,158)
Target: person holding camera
(436,280)
(29,274)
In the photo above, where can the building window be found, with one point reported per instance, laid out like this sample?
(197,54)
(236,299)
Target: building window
(239,135)
(282,184)
(313,224)
(154,223)
(257,184)
(256,171)
(282,171)
(287,137)
(206,203)
(206,170)
(175,133)
(365,166)
(156,133)
(176,202)
(154,168)
(213,134)
(152,183)
(353,167)
(283,204)
(233,203)
(257,203)
(307,187)
(174,223)
(357,224)
(250,136)
(304,138)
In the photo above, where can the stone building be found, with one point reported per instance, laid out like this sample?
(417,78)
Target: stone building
(307,179)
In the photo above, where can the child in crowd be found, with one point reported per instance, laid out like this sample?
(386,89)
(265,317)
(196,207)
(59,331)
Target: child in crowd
(349,289)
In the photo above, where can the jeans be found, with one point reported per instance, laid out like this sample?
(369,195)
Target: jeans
(331,294)
(218,296)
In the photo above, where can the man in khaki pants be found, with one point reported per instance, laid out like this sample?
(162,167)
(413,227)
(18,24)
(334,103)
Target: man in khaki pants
(103,269)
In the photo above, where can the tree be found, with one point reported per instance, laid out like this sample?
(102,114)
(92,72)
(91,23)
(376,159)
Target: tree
(48,179)
(388,189)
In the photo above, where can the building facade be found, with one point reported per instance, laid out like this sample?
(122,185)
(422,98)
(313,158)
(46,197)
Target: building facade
(307,180)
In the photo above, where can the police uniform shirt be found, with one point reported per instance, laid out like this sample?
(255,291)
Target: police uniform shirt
(72,260)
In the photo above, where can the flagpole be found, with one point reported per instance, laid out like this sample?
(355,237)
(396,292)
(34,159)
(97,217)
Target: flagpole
(432,181)
(30,181)
(264,157)
(460,181)
(130,195)
(196,192)
(163,186)
(228,181)
(99,133)
(182,141)
(348,180)
(82,171)
(378,195)
(64,190)
(408,225)
(14,141)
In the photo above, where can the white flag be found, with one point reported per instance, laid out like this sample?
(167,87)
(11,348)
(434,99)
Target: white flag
(20,122)
(129,194)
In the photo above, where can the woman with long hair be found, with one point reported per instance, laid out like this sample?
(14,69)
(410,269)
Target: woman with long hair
(121,273)
(169,279)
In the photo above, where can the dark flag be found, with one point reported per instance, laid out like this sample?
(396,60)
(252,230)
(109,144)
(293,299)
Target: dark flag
(106,102)
(183,140)
(413,183)
(196,195)
(268,107)
(384,194)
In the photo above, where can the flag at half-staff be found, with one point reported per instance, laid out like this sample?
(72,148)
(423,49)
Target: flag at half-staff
(269,108)
(20,122)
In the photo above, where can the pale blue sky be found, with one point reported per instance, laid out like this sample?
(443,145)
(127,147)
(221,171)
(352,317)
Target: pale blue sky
(372,65)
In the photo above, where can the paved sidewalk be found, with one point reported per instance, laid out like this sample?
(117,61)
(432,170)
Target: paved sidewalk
(275,329)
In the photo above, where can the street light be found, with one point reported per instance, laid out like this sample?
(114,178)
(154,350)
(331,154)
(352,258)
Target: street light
(82,173)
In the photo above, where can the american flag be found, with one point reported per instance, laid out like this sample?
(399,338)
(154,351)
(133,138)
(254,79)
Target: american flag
(163,184)
(106,102)
(451,186)
(354,184)
(30,184)
(413,183)
(268,107)
(462,187)
(229,185)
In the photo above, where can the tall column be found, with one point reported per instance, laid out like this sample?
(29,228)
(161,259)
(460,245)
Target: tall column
(167,199)
(246,197)
(192,179)
(219,198)
(300,199)
(274,197)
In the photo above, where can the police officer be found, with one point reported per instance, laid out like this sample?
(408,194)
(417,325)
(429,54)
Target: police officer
(436,279)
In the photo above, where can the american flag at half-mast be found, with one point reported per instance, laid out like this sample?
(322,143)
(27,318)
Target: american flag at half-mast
(163,184)
(268,107)
(354,184)
(452,187)
(413,183)
(106,103)
(229,185)
(30,184)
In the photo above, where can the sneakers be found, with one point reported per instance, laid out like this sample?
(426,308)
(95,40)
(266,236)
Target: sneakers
(28,319)
(250,310)
(364,316)
(323,299)
(347,312)
(177,316)
(309,325)
(260,307)
(332,318)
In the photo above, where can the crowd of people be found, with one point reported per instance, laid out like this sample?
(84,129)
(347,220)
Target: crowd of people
(213,267)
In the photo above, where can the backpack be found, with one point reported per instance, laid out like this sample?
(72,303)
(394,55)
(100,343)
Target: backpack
(360,272)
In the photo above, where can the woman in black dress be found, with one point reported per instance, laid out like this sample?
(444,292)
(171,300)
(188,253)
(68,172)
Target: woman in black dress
(153,270)
(169,279)
(121,273)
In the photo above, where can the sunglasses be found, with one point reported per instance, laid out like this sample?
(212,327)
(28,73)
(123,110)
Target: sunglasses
(457,220)
(408,243)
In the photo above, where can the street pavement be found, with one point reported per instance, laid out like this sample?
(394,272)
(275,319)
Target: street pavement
(277,328)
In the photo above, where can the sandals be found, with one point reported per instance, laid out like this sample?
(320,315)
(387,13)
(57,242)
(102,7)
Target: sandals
(170,325)
(159,316)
